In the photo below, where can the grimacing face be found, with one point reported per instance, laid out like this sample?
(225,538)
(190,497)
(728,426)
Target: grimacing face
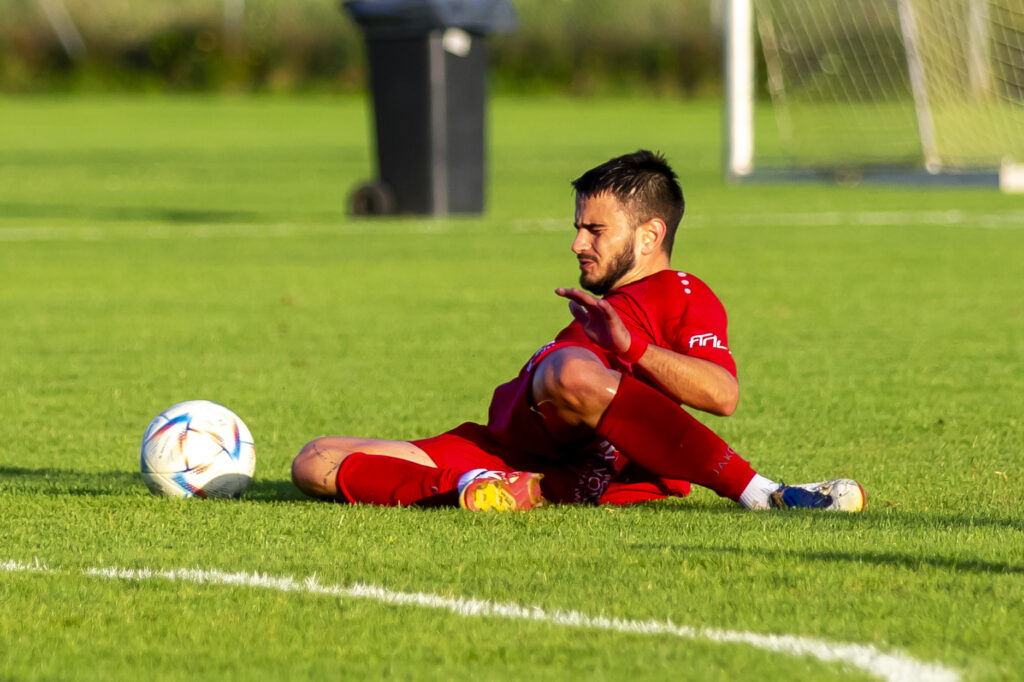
(604,243)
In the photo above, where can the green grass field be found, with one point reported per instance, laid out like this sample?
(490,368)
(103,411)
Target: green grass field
(156,250)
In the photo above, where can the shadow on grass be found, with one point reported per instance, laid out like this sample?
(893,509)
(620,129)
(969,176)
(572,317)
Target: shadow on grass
(138,213)
(59,482)
(891,559)
(49,481)
(273,491)
(896,520)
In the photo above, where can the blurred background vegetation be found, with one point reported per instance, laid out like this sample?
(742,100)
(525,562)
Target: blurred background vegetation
(671,47)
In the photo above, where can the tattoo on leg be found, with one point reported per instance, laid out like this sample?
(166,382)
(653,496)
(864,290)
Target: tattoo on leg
(331,477)
(329,482)
(322,454)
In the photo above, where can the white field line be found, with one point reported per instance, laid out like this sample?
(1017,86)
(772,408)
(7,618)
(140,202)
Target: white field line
(889,666)
(215,231)
(954,218)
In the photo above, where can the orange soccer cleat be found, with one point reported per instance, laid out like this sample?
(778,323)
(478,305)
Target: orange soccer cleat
(502,491)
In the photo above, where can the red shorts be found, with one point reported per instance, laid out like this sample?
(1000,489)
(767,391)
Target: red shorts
(595,476)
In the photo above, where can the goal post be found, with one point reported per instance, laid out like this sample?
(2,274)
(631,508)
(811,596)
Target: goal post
(932,89)
(739,87)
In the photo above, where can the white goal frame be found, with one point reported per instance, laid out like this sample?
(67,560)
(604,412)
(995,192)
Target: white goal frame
(740,58)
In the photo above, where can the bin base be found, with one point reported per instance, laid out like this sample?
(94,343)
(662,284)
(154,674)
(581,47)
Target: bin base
(373,198)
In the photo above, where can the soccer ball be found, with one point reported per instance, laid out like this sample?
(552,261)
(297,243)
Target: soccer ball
(197,449)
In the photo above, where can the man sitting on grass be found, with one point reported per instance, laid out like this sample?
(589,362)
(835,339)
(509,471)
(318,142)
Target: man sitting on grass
(594,416)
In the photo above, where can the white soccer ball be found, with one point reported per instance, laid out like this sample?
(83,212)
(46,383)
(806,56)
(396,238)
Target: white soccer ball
(197,449)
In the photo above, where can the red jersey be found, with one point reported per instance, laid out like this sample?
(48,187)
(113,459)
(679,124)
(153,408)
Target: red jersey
(671,309)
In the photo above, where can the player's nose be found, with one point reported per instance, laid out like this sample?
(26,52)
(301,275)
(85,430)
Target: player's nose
(581,244)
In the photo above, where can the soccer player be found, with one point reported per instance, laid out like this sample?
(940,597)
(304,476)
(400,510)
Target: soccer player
(596,415)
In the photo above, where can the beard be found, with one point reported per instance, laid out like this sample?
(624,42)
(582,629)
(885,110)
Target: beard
(621,264)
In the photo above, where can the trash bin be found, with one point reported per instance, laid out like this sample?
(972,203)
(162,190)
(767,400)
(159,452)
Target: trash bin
(428,64)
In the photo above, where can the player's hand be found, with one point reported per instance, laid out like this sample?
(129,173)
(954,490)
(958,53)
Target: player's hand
(601,323)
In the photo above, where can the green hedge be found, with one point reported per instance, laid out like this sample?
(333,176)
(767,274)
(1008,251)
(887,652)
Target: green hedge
(577,46)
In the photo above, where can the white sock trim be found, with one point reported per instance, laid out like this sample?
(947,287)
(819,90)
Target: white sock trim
(755,495)
(466,478)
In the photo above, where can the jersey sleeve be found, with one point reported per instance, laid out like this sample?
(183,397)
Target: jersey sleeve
(701,330)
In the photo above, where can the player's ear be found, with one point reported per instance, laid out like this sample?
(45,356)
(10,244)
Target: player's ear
(650,235)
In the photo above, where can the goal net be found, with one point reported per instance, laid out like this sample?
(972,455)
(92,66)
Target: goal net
(856,86)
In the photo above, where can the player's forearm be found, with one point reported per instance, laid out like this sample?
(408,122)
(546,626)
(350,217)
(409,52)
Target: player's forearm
(701,384)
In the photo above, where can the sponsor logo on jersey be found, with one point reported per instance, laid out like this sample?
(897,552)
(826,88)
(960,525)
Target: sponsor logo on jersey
(705,340)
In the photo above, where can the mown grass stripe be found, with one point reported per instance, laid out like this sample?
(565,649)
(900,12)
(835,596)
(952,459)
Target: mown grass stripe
(951,218)
(889,666)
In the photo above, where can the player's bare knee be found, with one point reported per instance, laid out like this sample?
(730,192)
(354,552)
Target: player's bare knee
(301,465)
(309,466)
(576,381)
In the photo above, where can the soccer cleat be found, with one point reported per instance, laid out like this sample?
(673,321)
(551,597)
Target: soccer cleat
(501,491)
(839,494)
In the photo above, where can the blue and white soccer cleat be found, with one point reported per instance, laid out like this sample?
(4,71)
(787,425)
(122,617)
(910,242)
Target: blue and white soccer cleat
(838,494)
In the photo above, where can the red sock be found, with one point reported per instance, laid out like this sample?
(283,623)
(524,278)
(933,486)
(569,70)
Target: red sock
(390,481)
(651,430)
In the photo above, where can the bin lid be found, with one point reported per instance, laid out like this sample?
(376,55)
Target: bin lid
(413,17)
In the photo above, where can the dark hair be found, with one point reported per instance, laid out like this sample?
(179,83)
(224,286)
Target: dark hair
(644,184)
